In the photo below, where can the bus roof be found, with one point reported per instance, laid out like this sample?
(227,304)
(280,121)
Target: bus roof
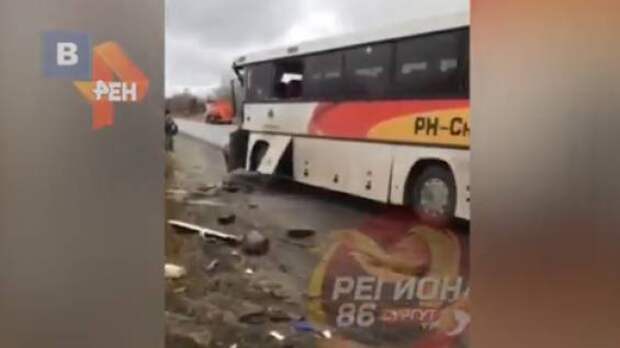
(410,28)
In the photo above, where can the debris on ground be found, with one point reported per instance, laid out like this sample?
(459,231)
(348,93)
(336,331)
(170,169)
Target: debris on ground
(278,315)
(251,313)
(172,271)
(211,266)
(255,243)
(279,294)
(206,233)
(229,187)
(177,195)
(226,218)
(206,187)
(206,202)
(278,336)
(300,233)
(306,326)
(176,192)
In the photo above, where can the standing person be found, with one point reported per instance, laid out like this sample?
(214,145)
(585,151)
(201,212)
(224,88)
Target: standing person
(171,130)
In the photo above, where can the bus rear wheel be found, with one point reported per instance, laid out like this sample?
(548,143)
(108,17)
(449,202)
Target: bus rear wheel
(432,195)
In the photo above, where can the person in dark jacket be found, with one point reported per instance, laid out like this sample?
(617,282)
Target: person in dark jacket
(171,130)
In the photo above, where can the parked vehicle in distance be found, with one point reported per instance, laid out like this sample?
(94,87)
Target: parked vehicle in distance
(382,115)
(219,111)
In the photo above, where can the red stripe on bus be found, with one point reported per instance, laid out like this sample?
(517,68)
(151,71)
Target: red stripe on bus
(355,119)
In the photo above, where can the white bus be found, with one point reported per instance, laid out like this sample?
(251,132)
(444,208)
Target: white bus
(382,115)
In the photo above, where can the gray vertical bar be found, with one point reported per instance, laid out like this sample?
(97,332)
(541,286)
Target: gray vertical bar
(81,210)
(546,174)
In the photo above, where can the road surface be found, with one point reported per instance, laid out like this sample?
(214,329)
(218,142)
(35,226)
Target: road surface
(211,133)
(357,273)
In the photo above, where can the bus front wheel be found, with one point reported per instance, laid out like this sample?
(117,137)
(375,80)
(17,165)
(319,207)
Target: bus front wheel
(258,152)
(432,195)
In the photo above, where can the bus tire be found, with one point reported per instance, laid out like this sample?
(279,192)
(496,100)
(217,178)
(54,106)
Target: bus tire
(258,152)
(432,195)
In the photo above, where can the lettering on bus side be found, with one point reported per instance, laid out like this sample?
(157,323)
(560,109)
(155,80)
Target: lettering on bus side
(432,126)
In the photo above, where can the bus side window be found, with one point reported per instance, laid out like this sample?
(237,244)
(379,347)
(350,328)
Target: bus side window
(259,82)
(465,67)
(288,82)
(367,71)
(323,76)
(429,66)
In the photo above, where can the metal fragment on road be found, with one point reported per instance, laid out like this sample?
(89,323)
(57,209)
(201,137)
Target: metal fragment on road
(211,266)
(206,233)
(206,202)
(172,271)
(207,187)
(278,336)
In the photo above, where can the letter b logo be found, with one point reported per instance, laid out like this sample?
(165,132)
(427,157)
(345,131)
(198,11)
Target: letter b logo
(66,55)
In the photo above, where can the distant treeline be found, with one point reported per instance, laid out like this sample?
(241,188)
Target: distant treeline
(185,103)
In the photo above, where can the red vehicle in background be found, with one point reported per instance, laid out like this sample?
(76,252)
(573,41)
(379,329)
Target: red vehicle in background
(219,111)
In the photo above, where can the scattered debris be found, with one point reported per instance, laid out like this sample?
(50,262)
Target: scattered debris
(278,315)
(176,192)
(226,218)
(306,326)
(206,187)
(180,290)
(229,187)
(211,266)
(233,346)
(206,202)
(252,205)
(177,195)
(249,271)
(255,243)
(279,294)
(300,233)
(303,326)
(206,233)
(250,313)
(172,271)
(278,336)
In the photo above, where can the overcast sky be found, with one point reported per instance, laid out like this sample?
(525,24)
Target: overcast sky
(204,36)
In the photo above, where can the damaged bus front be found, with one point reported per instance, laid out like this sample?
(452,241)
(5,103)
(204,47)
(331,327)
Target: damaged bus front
(235,152)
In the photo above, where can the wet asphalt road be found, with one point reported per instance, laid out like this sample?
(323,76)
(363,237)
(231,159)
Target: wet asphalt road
(354,237)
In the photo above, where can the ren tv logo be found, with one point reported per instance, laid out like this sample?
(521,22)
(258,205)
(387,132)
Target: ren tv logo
(103,74)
